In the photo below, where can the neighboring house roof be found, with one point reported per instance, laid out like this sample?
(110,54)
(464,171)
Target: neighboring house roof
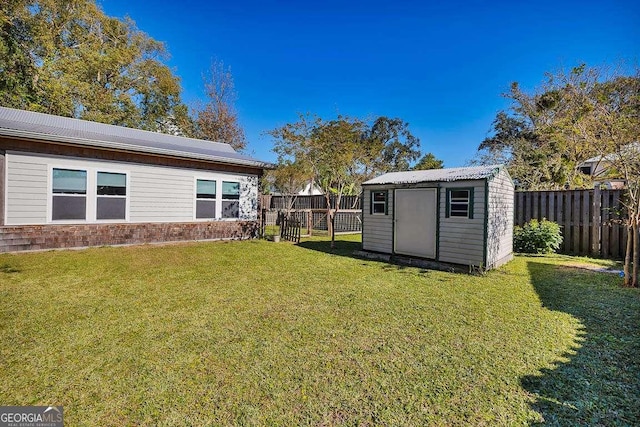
(45,127)
(633,148)
(436,175)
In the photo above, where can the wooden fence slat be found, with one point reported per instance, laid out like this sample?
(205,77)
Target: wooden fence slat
(605,227)
(520,209)
(616,248)
(575,223)
(552,206)
(560,217)
(567,222)
(536,206)
(543,205)
(596,223)
(585,224)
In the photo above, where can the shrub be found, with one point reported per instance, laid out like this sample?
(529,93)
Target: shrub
(537,237)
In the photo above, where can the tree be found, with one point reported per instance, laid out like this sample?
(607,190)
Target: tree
(218,120)
(613,123)
(542,137)
(68,58)
(288,178)
(340,154)
(428,161)
(390,147)
(575,115)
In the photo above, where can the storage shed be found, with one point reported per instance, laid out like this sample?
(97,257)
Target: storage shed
(456,216)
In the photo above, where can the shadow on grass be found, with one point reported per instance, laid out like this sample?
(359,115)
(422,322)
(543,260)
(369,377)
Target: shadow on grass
(342,247)
(347,248)
(600,385)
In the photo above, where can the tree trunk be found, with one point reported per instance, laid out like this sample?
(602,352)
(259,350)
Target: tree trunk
(636,254)
(330,225)
(627,254)
(333,230)
(333,219)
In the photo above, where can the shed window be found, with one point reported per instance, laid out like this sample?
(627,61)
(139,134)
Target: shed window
(460,203)
(379,202)
(230,199)
(111,193)
(69,198)
(205,199)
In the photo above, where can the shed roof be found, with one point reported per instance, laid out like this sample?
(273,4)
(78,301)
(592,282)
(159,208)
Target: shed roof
(436,175)
(46,127)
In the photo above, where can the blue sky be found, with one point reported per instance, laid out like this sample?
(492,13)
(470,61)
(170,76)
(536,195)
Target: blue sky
(440,66)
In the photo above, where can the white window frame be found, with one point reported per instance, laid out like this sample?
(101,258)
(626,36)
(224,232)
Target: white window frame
(460,201)
(126,196)
(91,194)
(51,195)
(222,199)
(384,203)
(218,212)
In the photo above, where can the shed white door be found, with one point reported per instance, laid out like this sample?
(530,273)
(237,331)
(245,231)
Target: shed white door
(415,222)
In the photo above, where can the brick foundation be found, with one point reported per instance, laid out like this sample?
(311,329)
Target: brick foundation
(34,237)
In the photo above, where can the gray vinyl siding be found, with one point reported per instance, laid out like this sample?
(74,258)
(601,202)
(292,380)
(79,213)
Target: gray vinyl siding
(500,221)
(461,240)
(155,193)
(377,230)
(26,190)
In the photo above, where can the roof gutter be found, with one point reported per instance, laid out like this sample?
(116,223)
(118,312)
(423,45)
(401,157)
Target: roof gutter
(20,134)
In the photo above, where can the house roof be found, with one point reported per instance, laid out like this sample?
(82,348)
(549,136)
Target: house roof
(45,127)
(633,148)
(436,175)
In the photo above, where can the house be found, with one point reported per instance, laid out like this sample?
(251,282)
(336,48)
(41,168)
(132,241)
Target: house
(441,217)
(599,167)
(73,183)
(311,189)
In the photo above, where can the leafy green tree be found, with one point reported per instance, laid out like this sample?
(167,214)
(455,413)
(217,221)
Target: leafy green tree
(428,161)
(288,178)
(575,115)
(329,150)
(68,58)
(340,154)
(390,147)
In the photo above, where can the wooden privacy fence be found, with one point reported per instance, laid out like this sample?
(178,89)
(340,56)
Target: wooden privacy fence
(311,211)
(308,202)
(590,219)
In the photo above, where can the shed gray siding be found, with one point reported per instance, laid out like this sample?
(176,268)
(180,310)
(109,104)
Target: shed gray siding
(156,193)
(500,220)
(377,230)
(461,240)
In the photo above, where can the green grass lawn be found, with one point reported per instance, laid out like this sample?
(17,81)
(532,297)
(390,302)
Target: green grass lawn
(259,333)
